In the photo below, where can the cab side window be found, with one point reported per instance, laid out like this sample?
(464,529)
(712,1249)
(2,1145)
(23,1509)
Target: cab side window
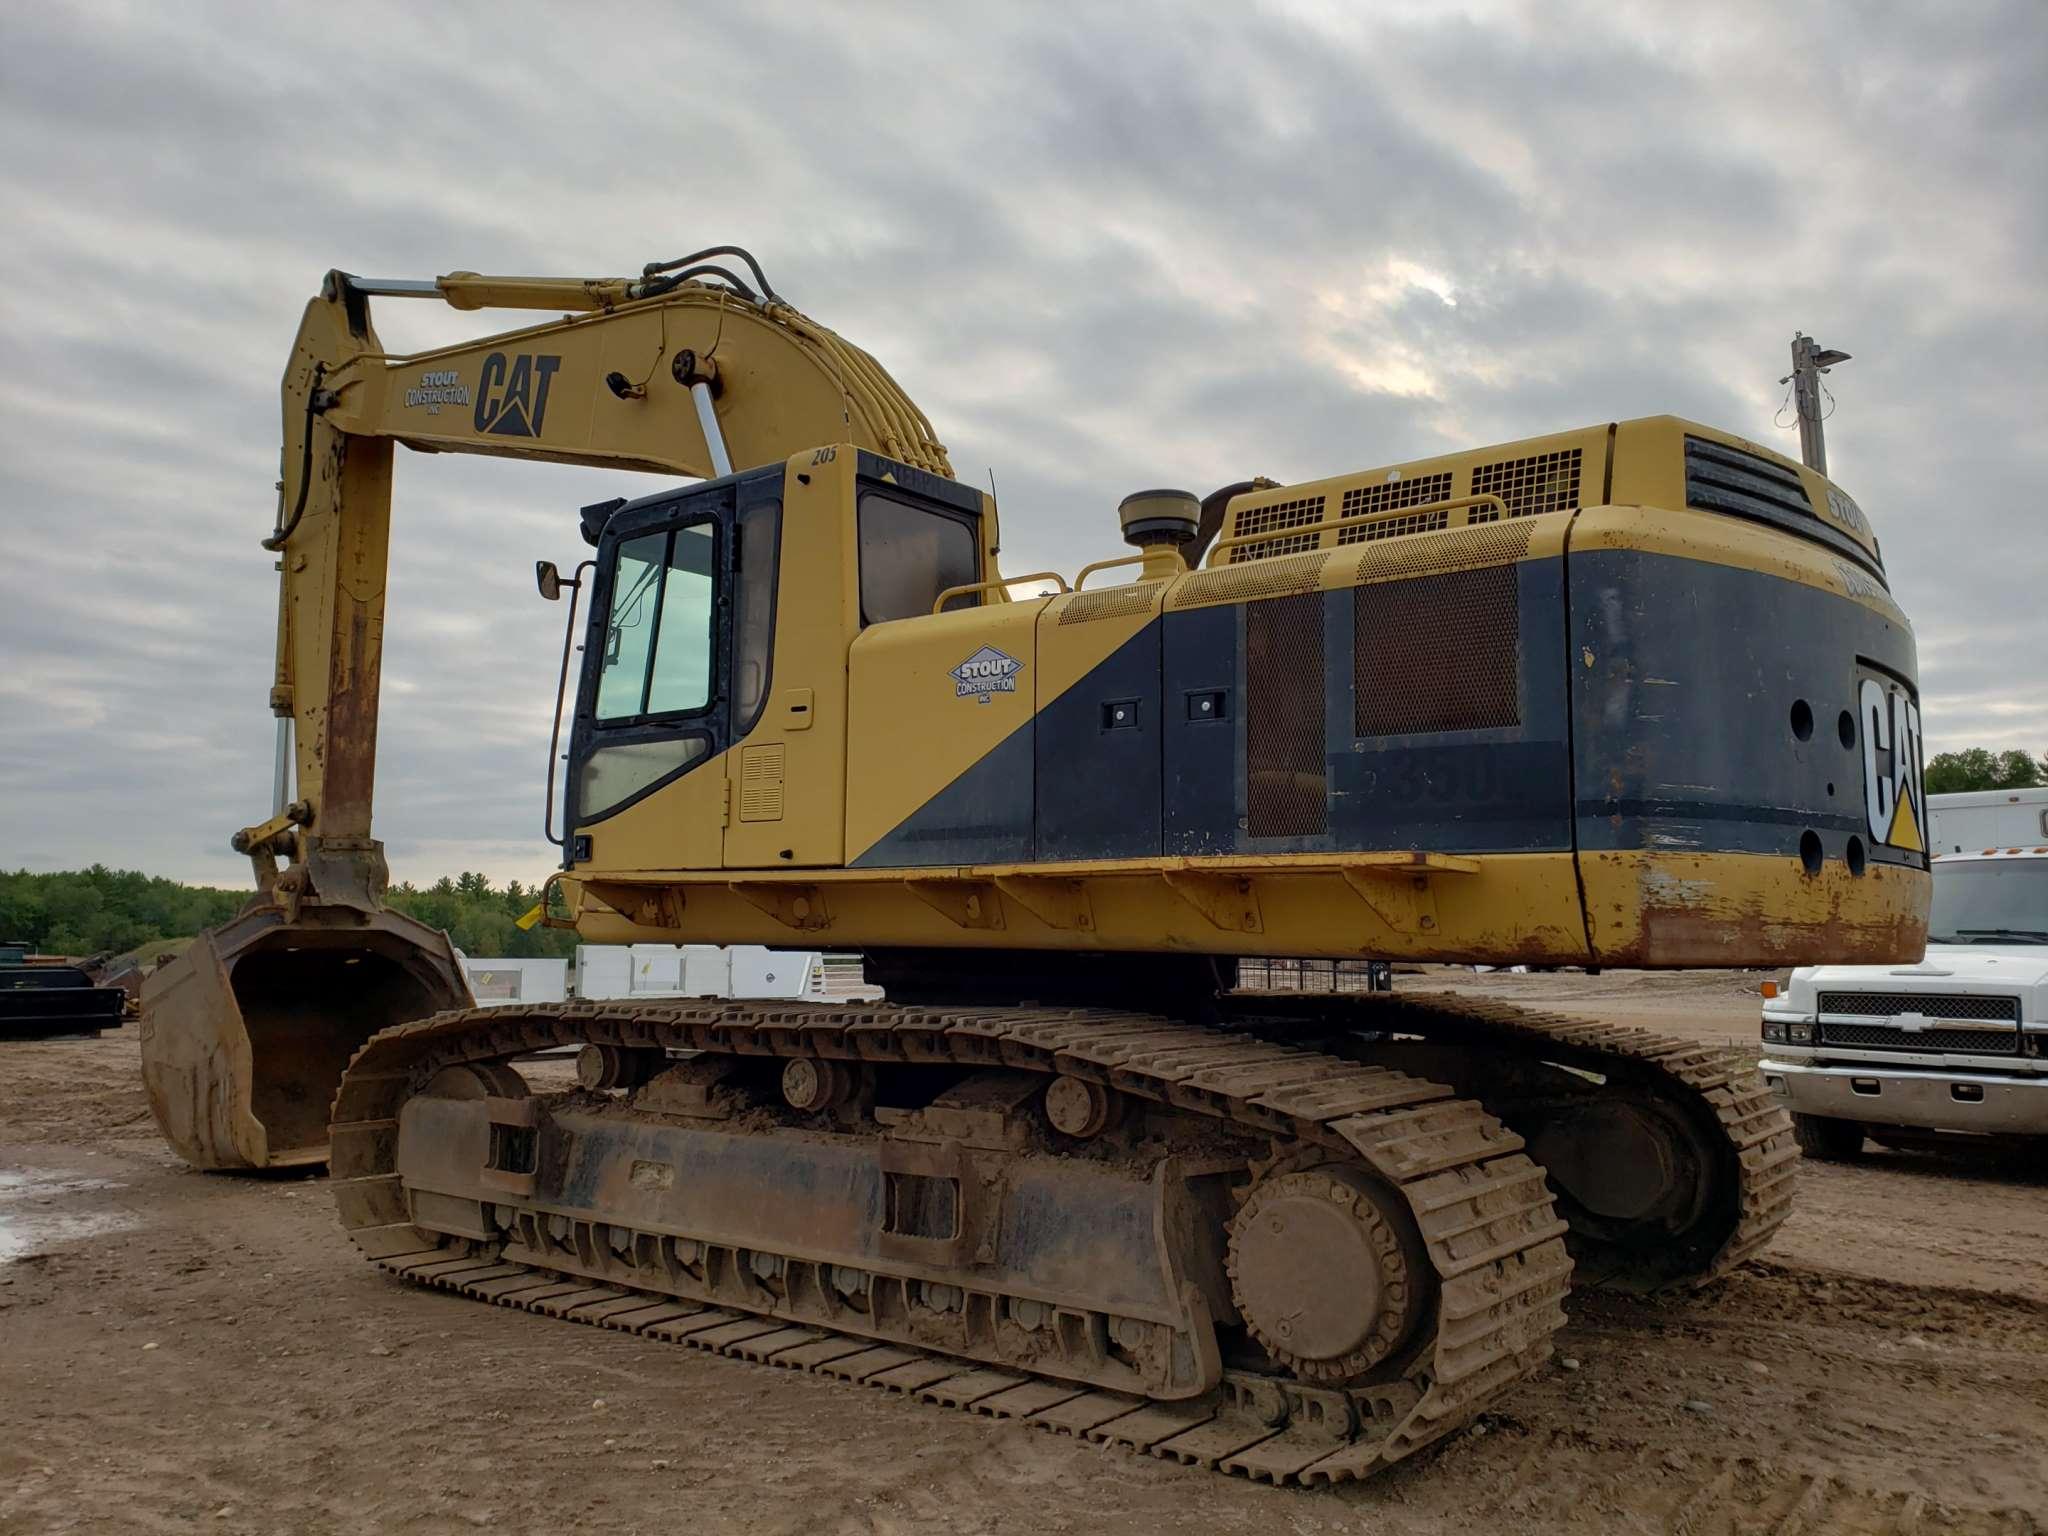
(909,555)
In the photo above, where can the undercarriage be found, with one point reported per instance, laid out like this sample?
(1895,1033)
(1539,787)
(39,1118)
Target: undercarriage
(1280,1249)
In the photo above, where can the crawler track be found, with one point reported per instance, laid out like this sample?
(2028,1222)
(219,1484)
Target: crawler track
(1754,1158)
(1492,1238)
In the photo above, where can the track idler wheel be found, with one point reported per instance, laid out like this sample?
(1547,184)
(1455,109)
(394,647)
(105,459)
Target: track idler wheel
(813,1083)
(602,1067)
(1080,1108)
(1327,1272)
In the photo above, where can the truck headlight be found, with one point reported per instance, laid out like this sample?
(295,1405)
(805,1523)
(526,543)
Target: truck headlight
(1800,1032)
(1774,1031)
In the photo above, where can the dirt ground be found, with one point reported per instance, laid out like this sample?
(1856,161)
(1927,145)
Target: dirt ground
(181,1352)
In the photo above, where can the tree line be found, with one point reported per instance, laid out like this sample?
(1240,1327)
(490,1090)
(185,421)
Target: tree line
(1951,773)
(112,911)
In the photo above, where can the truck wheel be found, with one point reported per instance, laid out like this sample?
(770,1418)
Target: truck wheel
(1832,1141)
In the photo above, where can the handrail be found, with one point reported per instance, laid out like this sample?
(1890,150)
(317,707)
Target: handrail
(950,593)
(1356,519)
(1081,577)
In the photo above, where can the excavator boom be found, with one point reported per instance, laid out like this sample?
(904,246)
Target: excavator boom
(666,374)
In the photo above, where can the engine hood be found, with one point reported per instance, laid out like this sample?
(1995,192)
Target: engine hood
(2002,968)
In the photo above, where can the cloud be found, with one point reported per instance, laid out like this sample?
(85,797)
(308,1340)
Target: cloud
(1103,248)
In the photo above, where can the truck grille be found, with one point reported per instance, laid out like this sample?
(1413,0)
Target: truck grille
(1881,1034)
(1888,1005)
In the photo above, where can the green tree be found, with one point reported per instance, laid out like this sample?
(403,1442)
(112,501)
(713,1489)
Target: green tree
(90,911)
(482,920)
(1982,768)
(100,910)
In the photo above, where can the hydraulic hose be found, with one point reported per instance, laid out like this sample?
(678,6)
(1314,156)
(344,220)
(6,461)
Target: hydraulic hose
(691,260)
(1213,507)
(284,530)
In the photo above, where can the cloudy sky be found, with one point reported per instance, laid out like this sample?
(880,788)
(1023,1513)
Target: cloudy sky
(1104,246)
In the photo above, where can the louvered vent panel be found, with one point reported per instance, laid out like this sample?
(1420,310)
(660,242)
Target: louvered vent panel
(1112,603)
(1366,500)
(1286,790)
(1439,653)
(761,783)
(1298,513)
(1544,482)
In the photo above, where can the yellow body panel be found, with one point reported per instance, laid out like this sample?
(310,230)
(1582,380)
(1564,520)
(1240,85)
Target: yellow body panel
(914,732)
(1723,541)
(1651,909)
(1076,630)
(817,611)
(1693,909)
(1650,472)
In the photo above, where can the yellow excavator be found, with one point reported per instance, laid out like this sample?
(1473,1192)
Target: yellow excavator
(1631,695)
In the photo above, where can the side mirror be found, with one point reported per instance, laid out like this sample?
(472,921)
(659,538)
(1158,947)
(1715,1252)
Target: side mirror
(549,579)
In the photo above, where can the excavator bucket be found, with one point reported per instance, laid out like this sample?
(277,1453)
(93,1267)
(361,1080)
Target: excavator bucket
(246,1034)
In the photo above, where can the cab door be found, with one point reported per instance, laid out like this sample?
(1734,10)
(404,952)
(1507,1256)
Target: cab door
(655,702)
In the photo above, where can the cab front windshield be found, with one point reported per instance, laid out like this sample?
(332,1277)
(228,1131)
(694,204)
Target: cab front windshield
(658,644)
(1990,901)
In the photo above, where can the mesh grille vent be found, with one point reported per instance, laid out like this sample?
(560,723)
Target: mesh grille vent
(1544,482)
(1365,500)
(1885,1005)
(1286,791)
(1884,1037)
(1282,514)
(1453,547)
(1237,584)
(1390,527)
(1440,653)
(1111,603)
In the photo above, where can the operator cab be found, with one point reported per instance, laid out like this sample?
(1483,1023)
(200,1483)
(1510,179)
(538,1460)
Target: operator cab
(680,640)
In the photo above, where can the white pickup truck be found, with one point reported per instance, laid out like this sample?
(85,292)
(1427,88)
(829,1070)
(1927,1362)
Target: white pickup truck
(1956,1045)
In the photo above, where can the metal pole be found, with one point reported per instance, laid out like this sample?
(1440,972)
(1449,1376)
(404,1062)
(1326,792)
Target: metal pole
(707,418)
(281,776)
(1809,362)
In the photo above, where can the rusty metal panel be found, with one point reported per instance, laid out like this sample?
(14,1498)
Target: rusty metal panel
(1287,791)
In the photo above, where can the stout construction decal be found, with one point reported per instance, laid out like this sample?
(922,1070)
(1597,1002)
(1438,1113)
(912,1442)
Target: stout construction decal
(984,674)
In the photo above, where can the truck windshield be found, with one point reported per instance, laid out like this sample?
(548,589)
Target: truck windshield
(1990,901)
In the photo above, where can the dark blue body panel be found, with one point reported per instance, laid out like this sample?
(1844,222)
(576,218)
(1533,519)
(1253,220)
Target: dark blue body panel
(1646,702)
(1684,696)
(1099,759)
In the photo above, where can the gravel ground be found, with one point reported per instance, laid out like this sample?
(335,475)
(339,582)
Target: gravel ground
(182,1352)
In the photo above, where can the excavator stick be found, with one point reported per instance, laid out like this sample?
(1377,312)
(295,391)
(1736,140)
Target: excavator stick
(246,1034)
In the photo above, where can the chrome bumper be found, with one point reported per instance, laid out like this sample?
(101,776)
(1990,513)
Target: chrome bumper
(1932,1100)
